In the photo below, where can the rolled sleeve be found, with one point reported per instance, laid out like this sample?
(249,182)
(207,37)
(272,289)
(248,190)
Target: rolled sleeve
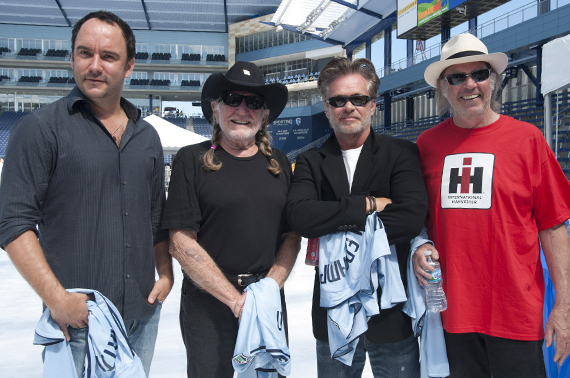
(26,171)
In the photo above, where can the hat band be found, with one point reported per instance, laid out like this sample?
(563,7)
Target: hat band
(464,54)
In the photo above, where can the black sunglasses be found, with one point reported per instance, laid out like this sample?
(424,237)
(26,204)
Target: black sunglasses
(460,78)
(356,100)
(234,100)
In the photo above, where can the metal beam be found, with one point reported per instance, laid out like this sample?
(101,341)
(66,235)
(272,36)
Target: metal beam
(226,14)
(382,25)
(362,10)
(314,36)
(146,15)
(529,74)
(63,13)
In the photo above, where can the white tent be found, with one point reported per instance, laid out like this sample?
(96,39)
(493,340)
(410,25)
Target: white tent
(555,65)
(173,137)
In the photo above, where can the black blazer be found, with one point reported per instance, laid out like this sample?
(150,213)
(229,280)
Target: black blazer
(319,203)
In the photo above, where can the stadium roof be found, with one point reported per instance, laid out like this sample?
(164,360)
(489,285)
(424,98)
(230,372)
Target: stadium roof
(339,22)
(178,15)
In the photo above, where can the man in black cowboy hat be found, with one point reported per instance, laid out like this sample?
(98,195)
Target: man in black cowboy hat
(495,188)
(337,186)
(225,212)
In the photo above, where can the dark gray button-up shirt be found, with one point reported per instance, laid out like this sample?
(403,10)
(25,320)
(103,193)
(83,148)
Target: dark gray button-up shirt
(97,207)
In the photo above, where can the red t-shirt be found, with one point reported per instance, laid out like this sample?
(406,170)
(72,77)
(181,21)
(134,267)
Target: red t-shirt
(491,190)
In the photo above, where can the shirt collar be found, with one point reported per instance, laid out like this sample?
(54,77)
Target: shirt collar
(132,112)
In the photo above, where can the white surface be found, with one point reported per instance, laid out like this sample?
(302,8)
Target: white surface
(173,137)
(555,65)
(20,310)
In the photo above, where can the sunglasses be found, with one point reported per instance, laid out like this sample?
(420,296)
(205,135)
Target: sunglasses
(356,100)
(460,78)
(234,100)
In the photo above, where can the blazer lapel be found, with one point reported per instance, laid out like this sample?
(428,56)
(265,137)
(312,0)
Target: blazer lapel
(365,165)
(333,167)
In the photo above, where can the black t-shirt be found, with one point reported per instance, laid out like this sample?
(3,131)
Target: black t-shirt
(238,211)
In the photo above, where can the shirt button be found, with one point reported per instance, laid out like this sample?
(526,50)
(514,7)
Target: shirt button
(128,276)
(124,182)
(128,245)
(126,213)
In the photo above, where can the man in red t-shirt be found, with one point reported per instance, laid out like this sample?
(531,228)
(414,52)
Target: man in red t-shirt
(494,188)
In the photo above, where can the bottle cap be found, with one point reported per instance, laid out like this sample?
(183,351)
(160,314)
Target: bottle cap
(428,252)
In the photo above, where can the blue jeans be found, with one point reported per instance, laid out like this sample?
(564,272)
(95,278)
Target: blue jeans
(390,360)
(140,332)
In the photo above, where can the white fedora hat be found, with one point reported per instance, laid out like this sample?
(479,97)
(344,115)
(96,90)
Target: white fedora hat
(464,48)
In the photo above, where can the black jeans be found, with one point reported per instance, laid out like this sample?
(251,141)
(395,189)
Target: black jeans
(478,355)
(209,331)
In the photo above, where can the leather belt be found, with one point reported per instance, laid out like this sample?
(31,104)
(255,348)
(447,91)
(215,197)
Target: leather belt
(245,279)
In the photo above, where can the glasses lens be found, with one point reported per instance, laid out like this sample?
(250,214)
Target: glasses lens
(356,100)
(338,101)
(359,100)
(456,79)
(234,100)
(480,75)
(254,102)
(477,76)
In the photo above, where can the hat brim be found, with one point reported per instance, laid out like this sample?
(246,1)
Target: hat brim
(275,95)
(498,61)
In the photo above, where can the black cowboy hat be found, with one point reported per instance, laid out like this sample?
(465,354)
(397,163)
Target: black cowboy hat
(244,76)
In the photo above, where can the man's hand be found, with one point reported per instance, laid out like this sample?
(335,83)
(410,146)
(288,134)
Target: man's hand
(558,325)
(70,310)
(382,202)
(420,263)
(161,289)
(237,308)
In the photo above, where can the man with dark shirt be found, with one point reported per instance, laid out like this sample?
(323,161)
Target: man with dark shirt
(89,174)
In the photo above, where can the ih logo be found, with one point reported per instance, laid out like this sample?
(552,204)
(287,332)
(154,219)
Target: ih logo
(467,181)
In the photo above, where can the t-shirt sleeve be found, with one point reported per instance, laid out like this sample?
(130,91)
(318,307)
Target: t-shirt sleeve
(552,196)
(182,209)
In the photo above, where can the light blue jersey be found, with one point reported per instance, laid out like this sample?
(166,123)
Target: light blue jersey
(351,267)
(109,354)
(261,347)
(426,325)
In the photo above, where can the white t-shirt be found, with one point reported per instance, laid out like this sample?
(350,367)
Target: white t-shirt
(350,158)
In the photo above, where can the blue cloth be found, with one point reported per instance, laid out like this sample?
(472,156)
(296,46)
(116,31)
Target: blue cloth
(261,349)
(552,370)
(109,355)
(352,266)
(141,333)
(427,325)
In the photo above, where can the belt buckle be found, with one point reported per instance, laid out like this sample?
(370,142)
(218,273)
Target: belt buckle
(240,276)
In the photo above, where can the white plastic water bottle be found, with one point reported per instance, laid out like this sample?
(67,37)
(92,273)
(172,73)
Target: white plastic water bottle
(435,297)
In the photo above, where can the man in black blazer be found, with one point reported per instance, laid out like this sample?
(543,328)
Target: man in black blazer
(334,189)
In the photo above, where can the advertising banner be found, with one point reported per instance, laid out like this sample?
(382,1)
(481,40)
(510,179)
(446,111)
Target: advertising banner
(407,15)
(430,9)
(290,134)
